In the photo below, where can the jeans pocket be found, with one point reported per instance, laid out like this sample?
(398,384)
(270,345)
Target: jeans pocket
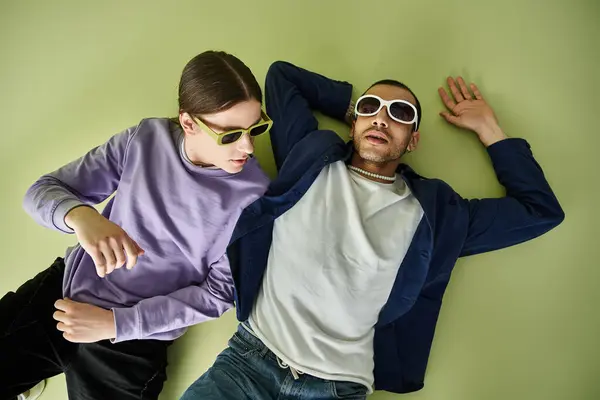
(348,390)
(242,347)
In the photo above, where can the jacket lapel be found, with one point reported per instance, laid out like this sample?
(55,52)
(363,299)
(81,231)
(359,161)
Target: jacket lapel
(413,270)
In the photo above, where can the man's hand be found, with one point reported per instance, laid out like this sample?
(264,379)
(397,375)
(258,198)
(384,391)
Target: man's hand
(470,113)
(84,323)
(108,245)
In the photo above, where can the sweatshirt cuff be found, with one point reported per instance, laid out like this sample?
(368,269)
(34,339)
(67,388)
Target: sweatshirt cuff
(127,323)
(61,211)
(507,146)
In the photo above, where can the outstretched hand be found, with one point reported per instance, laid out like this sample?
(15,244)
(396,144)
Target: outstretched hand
(470,111)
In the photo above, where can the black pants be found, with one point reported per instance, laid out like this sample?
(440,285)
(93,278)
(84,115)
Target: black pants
(32,349)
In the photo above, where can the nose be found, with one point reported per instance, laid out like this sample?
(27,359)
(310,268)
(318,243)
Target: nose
(382,119)
(246,144)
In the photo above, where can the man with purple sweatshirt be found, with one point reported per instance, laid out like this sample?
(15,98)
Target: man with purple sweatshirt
(179,187)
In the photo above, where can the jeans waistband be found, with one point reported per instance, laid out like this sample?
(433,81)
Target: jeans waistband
(246,332)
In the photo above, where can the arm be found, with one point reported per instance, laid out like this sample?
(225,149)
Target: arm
(56,201)
(86,181)
(529,208)
(291,94)
(166,317)
(159,318)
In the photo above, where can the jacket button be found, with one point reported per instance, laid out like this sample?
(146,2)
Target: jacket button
(326,158)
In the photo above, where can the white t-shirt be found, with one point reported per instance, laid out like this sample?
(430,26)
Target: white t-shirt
(332,264)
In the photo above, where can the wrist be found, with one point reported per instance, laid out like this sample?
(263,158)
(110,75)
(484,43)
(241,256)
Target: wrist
(78,214)
(111,326)
(490,134)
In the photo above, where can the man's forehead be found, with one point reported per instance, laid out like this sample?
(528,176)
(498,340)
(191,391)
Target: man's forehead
(390,92)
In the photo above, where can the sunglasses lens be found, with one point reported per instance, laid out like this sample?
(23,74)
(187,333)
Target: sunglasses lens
(402,111)
(231,137)
(368,105)
(259,130)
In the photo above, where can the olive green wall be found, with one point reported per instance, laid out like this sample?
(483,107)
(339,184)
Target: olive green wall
(517,324)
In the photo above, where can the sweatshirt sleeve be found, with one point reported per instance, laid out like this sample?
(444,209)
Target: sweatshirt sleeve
(167,317)
(84,182)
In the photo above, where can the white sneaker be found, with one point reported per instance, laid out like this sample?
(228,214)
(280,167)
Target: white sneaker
(34,393)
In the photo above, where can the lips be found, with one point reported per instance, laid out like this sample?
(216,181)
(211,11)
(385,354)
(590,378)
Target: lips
(239,162)
(376,137)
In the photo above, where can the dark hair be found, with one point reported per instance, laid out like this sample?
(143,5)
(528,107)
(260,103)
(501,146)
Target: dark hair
(215,81)
(396,83)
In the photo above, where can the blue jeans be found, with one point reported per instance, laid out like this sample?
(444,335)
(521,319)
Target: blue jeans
(247,369)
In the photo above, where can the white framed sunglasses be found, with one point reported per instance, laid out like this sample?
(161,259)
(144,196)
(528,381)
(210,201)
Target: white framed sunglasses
(399,110)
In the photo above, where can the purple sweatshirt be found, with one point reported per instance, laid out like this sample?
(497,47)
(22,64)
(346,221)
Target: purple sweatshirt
(181,214)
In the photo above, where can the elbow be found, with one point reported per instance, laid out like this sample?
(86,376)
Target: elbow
(554,215)
(29,199)
(558,217)
(277,70)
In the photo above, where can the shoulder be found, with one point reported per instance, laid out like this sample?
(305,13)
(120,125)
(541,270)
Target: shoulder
(421,184)
(153,132)
(154,126)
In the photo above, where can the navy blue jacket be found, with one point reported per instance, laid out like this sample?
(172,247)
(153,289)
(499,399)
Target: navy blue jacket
(452,227)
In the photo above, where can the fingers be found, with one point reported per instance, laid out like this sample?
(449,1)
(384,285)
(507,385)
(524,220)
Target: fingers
(463,88)
(449,117)
(60,316)
(476,92)
(454,89)
(109,256)
(69,337)
(63,327)
(63,305)
(139,249)
(99,262)
(132,250)
(447,100)
(117,248)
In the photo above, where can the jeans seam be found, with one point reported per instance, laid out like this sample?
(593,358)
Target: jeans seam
(148,383)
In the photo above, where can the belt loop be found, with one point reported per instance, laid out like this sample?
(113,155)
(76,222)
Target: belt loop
(264,352)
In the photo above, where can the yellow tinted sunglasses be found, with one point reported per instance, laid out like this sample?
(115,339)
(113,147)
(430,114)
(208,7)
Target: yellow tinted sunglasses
(225,138)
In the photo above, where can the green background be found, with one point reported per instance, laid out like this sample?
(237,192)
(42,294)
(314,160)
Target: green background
(516,324)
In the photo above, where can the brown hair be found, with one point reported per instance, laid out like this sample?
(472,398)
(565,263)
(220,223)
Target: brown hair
(214,81)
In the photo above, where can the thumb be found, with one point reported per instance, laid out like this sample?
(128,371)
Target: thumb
(449,117)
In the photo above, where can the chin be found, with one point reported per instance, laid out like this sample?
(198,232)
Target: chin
(231,168)
(374,154)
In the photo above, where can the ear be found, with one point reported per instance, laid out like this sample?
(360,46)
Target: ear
(187,123)
(414,141)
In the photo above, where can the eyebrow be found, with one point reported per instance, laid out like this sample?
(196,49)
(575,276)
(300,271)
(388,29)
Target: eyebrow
(231,128)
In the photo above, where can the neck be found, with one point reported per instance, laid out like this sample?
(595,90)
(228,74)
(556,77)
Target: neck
(385,169)
(194,157)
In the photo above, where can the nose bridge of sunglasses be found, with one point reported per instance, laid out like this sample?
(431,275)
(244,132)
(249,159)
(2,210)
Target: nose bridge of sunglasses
(384,112)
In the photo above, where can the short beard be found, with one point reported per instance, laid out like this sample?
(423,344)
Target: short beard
(392,153)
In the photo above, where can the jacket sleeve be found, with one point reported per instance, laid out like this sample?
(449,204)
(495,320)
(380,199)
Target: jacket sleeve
(87,181)
(528,210)
(167,317)
(292,93)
